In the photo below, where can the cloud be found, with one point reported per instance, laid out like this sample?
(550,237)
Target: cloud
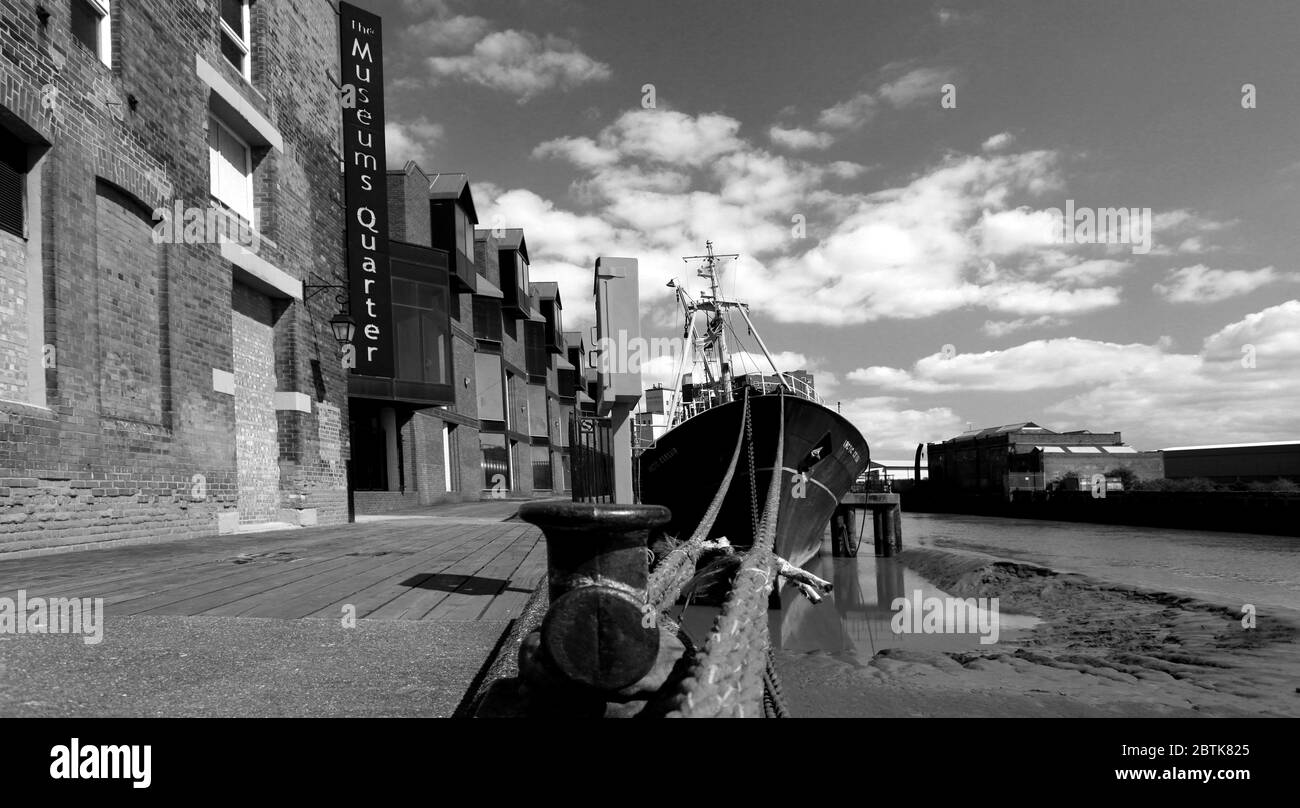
(521,63)
(1201,284)
(893,429)
(998,142)
(800,139)
(413,140)
(1001,328)
(1214,396)
(453,32)
(1241,385)
(912,87)
(653,135)
(1037,365)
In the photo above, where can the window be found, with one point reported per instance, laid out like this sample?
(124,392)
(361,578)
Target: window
(491,395)
(13,182)
(487,319)
(541,468)
(537,411)
(92,27)
(535,358)
(235,39)
(512,418)
(521,269)
(422,338)
(496,462)
(230,166)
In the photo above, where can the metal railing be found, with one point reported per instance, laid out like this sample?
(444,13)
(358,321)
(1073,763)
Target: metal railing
(710,397)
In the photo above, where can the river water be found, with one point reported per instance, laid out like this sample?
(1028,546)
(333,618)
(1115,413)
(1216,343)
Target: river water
(857,618)
(1226,568)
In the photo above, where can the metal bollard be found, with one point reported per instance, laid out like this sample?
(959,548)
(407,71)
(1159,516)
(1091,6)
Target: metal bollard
(595,632)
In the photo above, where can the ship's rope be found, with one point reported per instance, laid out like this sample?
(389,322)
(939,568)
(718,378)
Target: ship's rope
(727,679)
(677,568)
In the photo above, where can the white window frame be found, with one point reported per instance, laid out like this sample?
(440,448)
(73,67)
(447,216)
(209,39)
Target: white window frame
(243,41)
(248,214)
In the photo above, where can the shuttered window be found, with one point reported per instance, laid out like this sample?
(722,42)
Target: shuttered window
(13,182)
(231,168)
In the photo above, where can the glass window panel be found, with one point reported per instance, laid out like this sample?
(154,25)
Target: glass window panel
(233,53)
(496,461)
(85,24)
(232,12)
(406,330)
(537,410)
(491,396)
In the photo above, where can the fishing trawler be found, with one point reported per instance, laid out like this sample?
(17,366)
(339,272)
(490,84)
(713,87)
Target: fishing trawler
(683,469)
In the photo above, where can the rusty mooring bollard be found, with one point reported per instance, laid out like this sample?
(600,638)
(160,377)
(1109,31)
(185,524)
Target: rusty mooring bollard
(595,632)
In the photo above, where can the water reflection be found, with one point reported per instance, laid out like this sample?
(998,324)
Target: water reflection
(855,619)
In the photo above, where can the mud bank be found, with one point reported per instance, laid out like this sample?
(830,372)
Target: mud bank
(1101,649)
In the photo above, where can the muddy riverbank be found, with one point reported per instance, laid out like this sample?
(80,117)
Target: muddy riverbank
(1098,649)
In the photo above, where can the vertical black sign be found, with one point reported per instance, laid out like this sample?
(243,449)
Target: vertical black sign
(365,183)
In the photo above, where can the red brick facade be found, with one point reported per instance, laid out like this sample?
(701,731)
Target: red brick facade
(117,419)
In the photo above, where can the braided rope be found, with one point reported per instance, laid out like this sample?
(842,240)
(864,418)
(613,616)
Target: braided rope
(774,705)
(676,568)
(727,679)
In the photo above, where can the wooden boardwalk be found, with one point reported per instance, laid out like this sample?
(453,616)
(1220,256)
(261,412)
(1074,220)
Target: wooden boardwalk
(452,567)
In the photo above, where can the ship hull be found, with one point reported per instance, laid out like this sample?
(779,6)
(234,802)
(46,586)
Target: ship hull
(686,466)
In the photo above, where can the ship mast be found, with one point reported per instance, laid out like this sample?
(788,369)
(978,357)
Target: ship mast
(712,303)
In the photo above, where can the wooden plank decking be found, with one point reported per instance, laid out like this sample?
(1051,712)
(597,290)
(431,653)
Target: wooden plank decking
(450,567)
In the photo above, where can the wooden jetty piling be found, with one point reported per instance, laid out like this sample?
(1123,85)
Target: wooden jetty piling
(886,519)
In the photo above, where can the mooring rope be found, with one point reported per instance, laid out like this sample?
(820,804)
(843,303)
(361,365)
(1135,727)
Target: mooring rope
(728,677)
(677,568)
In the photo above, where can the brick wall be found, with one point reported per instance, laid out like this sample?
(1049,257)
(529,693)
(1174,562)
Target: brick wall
(133,440)
(15,342)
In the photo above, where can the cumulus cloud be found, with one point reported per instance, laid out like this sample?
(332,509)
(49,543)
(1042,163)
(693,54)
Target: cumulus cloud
(1241,385)
(412,140)
(914,86)
(800,139)
(521,63)
(1001,328)
(1215,395)
(998,142)
(1036,365)
(893,429)
(1201,284)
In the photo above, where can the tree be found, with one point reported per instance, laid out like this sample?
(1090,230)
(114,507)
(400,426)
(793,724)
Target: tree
(1126,476)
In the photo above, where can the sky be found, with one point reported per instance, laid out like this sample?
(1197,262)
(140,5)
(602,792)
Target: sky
(894,177)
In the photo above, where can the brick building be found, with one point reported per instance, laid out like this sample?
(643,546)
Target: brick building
(1000,459)
(170,179)
(520,353)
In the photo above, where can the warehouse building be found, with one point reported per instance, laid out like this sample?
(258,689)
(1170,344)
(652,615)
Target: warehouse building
(1026,456)
(1235,462)
(169,182)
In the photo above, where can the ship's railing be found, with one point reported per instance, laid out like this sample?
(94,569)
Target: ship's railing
(708,398)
